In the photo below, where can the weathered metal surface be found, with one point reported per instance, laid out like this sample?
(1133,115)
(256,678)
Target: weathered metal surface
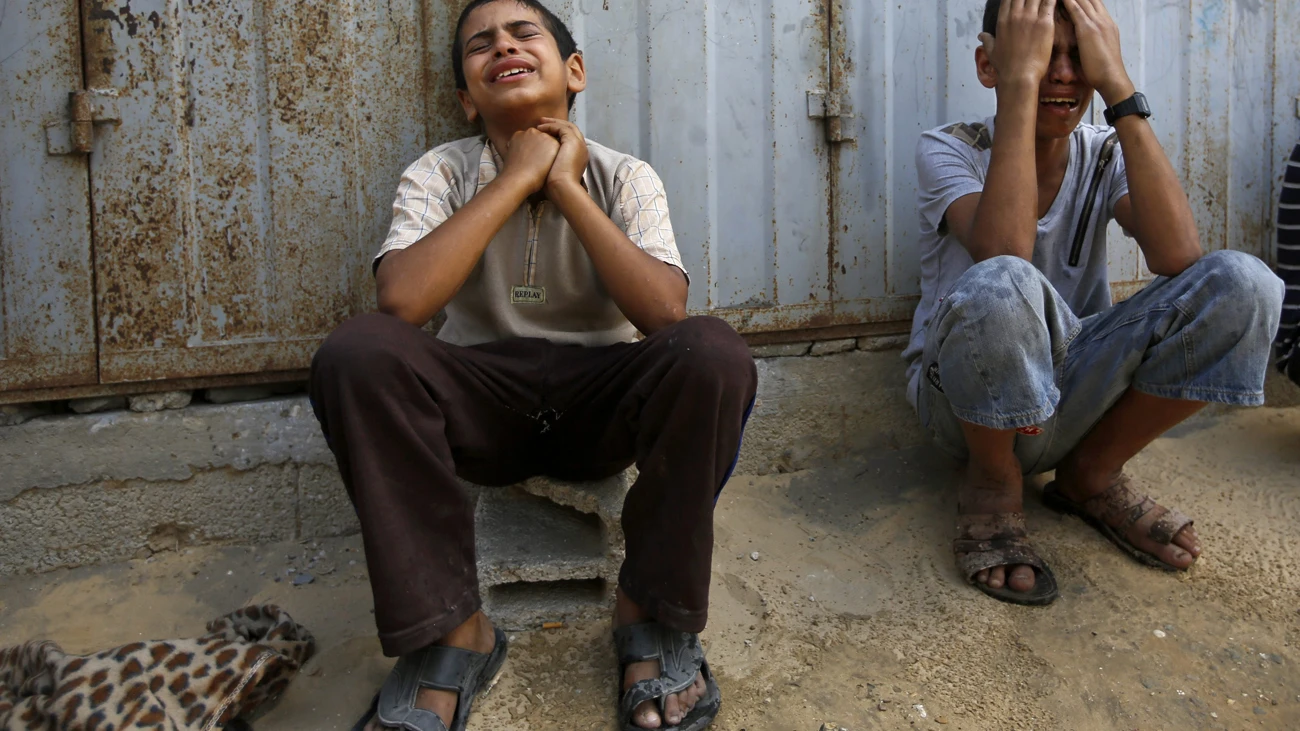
(46,315)
(251,178)
(714,96)
(238,204)
(1222,75)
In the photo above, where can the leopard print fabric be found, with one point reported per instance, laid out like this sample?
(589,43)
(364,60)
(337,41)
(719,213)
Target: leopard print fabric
(236,671)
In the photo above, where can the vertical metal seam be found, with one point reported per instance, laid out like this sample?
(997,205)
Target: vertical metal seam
(193,276)
(350,33)
(832,155)
(82,9)
(271,244)
(710,148)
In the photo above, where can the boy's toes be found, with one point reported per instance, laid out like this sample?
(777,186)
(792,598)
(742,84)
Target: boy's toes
(647,716)
(1022,579)
(673,710)
(1189,541)
(997,577)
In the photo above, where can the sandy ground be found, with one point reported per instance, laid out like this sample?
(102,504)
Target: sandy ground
(852,615)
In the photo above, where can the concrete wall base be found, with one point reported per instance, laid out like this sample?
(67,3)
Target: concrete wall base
(81,489)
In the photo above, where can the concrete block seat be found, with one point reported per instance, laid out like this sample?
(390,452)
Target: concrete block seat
(549,551)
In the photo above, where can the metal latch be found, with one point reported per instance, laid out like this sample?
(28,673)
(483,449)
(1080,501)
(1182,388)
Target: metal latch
(85,110)
(829,105)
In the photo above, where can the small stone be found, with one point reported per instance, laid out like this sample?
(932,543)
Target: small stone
(148,402)
(1213,714)
(233,394)
(942,719)
(878,343)
(277,579)
(303,578)
(1260,711)
(780,350)
(96,405)
(1159,633)
(15,414)
(753,556)
(812,598)
(831,347)
(920,709)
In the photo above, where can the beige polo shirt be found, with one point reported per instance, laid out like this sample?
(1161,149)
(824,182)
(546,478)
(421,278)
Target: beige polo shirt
(535,279)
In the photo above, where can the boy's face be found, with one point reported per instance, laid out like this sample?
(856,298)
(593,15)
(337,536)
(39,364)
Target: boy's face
(1064,81)
(1064,94)
(512,64)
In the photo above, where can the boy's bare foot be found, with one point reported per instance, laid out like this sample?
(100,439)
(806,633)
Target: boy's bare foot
(996,491)
(476,635)
(1077,483)
(676,706)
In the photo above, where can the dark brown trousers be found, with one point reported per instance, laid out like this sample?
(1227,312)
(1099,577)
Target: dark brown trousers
(405,413)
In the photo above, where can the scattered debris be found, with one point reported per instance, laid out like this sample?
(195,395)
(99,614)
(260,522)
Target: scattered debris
(754,556)
(1159,633)
(553,625)
(303,578)
(920,709)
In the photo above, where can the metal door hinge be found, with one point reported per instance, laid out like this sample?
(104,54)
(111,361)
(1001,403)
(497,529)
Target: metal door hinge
(85,110)
(830,106)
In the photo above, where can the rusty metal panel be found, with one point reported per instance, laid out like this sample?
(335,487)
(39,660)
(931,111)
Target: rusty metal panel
(46,307)
(1222,75)
(238,202)
(714,96)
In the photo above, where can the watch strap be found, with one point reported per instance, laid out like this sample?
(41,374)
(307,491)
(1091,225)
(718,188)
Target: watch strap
(1136,104)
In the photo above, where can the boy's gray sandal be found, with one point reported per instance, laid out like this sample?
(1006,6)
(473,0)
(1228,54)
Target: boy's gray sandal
(680,658)
(440,668)
(1123,505)
(987,540)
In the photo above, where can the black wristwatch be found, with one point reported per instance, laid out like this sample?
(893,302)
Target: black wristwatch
(1136,104)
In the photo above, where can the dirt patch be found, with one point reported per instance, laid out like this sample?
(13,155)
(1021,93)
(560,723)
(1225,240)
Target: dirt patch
(852,614)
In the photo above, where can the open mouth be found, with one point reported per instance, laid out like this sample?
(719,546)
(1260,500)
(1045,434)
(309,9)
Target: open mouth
(1062,103)
(513,74)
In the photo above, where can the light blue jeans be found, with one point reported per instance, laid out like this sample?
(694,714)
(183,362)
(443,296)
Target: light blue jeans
(1004,351)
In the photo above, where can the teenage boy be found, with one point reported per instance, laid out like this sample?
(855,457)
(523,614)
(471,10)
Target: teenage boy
(549,253)
(1019,362)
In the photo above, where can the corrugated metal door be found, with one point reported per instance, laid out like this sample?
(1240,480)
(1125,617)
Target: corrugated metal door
(47,331)
(715,97)
(251,177)
(713,94)
(1222,77)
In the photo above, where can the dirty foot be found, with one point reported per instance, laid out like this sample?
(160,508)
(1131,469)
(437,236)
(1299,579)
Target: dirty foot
(477,635)
(982,492)
(1078,484)
(675,706)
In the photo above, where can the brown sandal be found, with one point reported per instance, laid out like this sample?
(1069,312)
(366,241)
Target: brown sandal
(1120,504)
(987,540)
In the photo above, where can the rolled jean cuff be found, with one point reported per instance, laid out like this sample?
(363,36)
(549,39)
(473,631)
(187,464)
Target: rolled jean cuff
(419,636)
(1004,421)
(1229,396)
